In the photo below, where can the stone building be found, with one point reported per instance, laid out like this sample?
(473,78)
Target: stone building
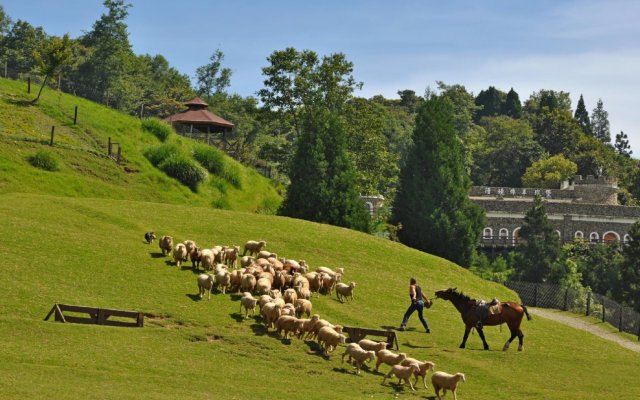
(586,208)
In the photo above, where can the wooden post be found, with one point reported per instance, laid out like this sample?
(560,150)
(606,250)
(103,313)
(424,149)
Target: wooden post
(53,129)
(75,115)
(5,69)
(588,303)
(28,84)
(141,110)
(109,147)
(566,299)
(535,296)
(604,311)
(620,320)
(119,153)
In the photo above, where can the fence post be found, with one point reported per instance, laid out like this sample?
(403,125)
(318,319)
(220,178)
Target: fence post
(53,129)
(28,84)
(588,302)
(620,320)
(566,299)
(535,295)
(75,115)
(5,68)
(119,152)
(109,147)
(604,311)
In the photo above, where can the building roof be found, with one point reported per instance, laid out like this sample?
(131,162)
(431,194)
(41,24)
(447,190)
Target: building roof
(198,114)
(196,101)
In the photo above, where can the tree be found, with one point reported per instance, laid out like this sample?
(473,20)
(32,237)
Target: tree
(629,271)
(622,144)
(50,59)
(432,203)
(211,78)
(600,123)
(512,107)
(409,100)
(556,131)
(490,103)
(582,117)
(19,45)
(323,183)
(549,172)
(5,23)
(547,100)
(539,246)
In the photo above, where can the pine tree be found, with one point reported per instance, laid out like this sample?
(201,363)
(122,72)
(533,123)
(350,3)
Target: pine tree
(600,123)
(582,117)
(622,144)
(323,182)
(539,248)
(512,106)
(491,101)
(630,272)
(432,203)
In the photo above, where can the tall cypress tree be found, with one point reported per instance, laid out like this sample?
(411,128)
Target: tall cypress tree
(600,123)
(323,181)
(491,101)
(432,203)
(512,106)
(582,117)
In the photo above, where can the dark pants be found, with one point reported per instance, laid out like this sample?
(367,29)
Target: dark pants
(417,306)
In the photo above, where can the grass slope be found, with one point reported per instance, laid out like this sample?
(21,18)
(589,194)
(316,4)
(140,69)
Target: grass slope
(91,252)
(86,171)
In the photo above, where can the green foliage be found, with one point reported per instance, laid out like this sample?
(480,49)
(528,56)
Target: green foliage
(545,101)
(496,270)
(600,123)
(582,117)
(210,158)
(19,44)
(549,172)
(156,155)
(432,203)
(50,59)
(184,170)
(463,106)
(45,160)
(629,271)
(556,131)
(621,145)
(489,103)
(512,107)
(211,78)
(159,128)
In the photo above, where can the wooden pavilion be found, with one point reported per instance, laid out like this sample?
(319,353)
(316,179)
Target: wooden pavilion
(199,123)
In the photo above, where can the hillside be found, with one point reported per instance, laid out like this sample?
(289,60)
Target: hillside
(91,252)
(86,171)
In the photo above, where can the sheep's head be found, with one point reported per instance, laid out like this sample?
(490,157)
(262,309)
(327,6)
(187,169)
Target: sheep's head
(371,355)
(402,356)
(460,376)
(352,285)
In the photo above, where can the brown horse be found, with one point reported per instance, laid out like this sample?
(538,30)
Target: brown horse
(511,314)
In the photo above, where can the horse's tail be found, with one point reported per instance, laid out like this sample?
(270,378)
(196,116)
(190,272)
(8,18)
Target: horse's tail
(526,312)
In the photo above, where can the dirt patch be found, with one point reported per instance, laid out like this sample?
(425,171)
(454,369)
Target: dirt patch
(590,327)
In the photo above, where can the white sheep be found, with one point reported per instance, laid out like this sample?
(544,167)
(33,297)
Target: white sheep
(330,338)
(180,254)
(372,345)
(444,381)
(277,264)
(290,296)
(270,313)
(231,256)
(390,358)
(246,261)
(303,292)
(207,260)
(249,303)
(303,306)
(265,255)
(264,299)
(359,355)
(288,309)
(223,279)
(344,291)
(254,247)
(288,324)
(306,325)
(263,286)
(313,333)
(205,284)
(248,283)
(195,256)
(402,373)
(166,245)
(190,245)
(423,368)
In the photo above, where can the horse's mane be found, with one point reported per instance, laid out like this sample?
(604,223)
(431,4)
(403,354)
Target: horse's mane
(461,295)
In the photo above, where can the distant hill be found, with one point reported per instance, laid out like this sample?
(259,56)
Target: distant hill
(85,170)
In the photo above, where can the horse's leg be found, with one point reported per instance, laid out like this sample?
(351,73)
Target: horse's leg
(467,329)
(520,340)
(484,341)
(514,333)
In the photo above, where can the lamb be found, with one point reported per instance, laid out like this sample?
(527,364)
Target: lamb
(303,292)
(235,280)
(206,259)
(359,355)
(190,245)
(321,323)
(219,252)
(329,281)
(303,306)
(249,303)
(270,313)
(254,247)
(329,271)
(231,256)
(423,368)
(330,338)
(195,256)
(288,309)
(246,261)
(290,296)
(315,281)
(264,299)
(248,283)
(390,358)
(306,325)
(372,345)
(444,381)
(402,373)
(263,286)
(149,237)
(205,283)
(223,279)
(344,291)
(288,324)
(180,254)
(263,254)
(166,245)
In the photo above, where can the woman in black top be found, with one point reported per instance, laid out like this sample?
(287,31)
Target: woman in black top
(417,304)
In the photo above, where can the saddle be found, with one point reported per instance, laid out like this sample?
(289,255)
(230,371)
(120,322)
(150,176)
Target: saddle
(485,309)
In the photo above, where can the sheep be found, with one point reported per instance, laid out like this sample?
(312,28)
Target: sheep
(290,296)
(231,256)
(329,271)
(315,281)
(279,279)
(444,381)
(291,265)
(190,245)
(344,291)
(299,280)
(180,254)
(402,373)
(277,264)
(390,358)
(330,338)
(246,261)
(306,325)
(372,345)
(359,355)
(329,282)
(166,245)
(423,368)
(223,279)
(303,306)
(289,309)
(206,259)
(249,303)
(270,313)
(276,294)
(254,247)
(266,275)
(195,256)
(248,283)
(321,323)
(149,237)
(303,292)
(219,253)
(235,280)
(287,323)
(264,299)
(205,283)
(263,286)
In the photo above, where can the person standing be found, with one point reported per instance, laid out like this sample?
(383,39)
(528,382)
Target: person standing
(417,304)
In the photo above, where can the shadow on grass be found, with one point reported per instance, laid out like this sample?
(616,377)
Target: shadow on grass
(170,263)
(259,329)
(194,297)
(235,296)
(388,327)
(315,349)
(346,370)
(156,255)
(22,103)
(239,317)
(413,346)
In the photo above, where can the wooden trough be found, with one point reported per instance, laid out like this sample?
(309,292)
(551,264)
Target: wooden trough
(357,334)
(98,316)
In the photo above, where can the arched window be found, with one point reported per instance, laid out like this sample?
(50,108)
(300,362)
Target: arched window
(369,206)
(559,235)
(516,236)
(579,235)
(487,233)
(627,238)
(610,237)
(504,233)
(593,237)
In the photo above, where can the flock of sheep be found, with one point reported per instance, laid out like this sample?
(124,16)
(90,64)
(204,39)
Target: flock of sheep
(283,289)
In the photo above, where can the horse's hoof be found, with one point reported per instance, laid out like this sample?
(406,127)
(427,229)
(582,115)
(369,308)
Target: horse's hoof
(486,347)
(520,348)
(461,346)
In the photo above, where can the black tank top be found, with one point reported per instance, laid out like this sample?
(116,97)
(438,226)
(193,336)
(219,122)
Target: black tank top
(418,293)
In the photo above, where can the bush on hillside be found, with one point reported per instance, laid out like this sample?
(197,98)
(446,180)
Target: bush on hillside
(211,159)
(159,128)
(156,155)
(183,169)
(44,160)
(232,174)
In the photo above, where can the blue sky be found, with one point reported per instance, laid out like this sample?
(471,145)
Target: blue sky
(582,47)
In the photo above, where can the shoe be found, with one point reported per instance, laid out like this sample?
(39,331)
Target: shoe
(401,329)
(428,330)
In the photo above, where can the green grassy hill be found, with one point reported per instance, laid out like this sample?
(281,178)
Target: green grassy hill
(90,251)
(86,171)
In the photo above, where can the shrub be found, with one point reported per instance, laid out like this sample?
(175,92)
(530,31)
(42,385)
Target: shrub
(156,155)
(44,160)
(211,159)
(183,169)
(159,128)
(232,174)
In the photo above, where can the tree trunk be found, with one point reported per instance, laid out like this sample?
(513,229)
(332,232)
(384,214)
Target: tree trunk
(41,87)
